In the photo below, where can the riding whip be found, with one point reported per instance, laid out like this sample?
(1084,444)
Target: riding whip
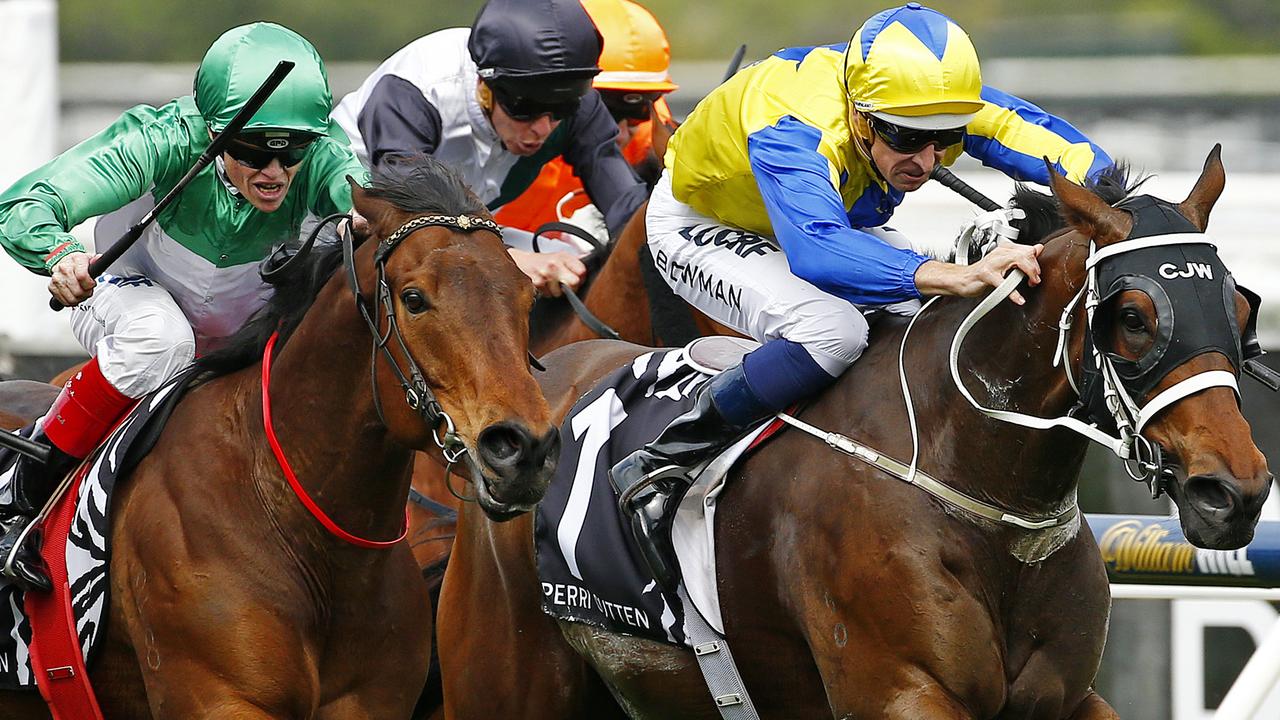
(967,191)
(113,253)
(735,62)
(32,449)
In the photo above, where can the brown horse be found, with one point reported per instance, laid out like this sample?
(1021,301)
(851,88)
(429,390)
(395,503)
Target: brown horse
(847,593)
(228,598)
(615,293)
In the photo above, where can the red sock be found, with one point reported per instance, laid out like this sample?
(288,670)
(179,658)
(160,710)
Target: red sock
(85,410)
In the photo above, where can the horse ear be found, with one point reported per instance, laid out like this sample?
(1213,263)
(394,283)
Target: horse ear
(1086,212)
(374,209)
(661,132)
(1207,190)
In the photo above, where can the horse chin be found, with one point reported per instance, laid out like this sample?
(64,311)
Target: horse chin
(495,509)
(1209,533)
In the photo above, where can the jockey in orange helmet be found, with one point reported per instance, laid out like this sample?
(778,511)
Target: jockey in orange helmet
(634,76)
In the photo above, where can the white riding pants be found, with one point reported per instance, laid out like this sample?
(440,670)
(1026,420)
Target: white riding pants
(136,330)
(743,280)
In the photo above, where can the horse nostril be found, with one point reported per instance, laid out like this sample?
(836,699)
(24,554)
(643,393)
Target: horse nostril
(1214,495)
(549,445)
(504,444)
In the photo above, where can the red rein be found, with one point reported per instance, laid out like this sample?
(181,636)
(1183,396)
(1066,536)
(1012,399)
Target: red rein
(289,475)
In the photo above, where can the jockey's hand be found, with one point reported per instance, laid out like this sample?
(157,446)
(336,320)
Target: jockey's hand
(991,270)
(359,225)
(939,278)
(548,270)
(987,229)
(70,281)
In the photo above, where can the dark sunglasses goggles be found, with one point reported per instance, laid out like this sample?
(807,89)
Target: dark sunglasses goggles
(252,154)
(527,109)
(910,141)
(628,106)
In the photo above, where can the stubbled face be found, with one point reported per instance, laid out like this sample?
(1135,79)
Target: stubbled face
(264,189)
(521,137)
(904,172)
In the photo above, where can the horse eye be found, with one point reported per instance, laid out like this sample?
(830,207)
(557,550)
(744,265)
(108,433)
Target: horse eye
(414,301)
(1132,321)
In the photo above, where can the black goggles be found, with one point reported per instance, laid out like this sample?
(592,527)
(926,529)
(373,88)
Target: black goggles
(910,141)
(527,109)
(251,154)
(630,106)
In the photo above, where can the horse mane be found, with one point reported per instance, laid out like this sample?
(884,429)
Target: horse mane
(1113,184)
(417,184)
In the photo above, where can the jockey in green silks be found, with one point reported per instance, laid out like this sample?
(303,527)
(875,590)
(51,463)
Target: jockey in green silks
(192,279)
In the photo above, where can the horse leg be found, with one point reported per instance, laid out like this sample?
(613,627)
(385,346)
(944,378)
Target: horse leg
(500,656)
(1094,708)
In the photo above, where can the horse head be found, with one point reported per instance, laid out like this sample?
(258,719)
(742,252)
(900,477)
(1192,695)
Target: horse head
(456,315)
(1168,333)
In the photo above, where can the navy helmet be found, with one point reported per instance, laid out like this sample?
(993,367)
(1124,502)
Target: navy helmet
(545,49)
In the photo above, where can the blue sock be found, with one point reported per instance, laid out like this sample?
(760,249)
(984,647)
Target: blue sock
(775,376)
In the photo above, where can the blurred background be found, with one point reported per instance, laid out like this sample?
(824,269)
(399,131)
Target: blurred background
(1156,82)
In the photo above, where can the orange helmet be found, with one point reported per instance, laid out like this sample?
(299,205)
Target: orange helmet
(636,55)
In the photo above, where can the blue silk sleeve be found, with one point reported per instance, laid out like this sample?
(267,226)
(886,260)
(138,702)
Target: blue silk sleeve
(810,223)
(1012,135)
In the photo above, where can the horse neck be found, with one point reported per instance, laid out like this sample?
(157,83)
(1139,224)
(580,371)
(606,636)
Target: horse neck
(1006,363)
(328,425)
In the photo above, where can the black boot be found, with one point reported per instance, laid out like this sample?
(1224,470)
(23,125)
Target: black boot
(653,479)
(31,483)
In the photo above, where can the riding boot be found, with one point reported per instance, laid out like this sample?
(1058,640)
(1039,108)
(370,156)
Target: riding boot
(81,415)
(30,484)
(651,480)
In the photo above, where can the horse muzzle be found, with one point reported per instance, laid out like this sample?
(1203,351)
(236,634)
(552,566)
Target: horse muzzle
(513,467)
(1215,512)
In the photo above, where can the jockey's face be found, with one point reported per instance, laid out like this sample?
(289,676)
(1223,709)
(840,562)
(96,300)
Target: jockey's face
(521,137)
(905,172)
(264,189)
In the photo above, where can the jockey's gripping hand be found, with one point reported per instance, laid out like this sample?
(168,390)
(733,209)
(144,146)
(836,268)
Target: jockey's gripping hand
(549,270)
(939,278)
(70,281)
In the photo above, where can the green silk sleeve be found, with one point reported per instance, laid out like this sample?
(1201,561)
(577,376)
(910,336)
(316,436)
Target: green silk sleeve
(331,164)
(97,176)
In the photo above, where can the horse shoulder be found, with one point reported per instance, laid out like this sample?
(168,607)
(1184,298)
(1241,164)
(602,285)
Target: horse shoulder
(575,369)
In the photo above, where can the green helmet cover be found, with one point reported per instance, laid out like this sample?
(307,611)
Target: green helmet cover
(241,59)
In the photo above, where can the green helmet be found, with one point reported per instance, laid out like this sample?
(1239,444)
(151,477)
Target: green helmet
(238,62)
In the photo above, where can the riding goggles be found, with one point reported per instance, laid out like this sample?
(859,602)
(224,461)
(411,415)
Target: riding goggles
(528,109)
(910,141)
(630,106)
(256,151)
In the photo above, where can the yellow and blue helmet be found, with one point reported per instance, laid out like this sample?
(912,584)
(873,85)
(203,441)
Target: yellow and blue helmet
(914,67)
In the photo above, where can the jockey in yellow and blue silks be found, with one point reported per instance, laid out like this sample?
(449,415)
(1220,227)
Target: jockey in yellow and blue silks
(770,217)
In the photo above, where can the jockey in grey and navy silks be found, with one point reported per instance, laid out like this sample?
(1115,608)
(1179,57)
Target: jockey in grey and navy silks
(424,99)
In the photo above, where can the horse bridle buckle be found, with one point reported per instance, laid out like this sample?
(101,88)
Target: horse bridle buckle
(1146,465)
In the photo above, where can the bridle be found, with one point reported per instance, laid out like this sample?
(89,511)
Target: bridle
(417,393)
(1107,411)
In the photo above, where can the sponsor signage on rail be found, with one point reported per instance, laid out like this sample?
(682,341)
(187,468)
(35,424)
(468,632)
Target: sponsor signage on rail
(1144,549)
